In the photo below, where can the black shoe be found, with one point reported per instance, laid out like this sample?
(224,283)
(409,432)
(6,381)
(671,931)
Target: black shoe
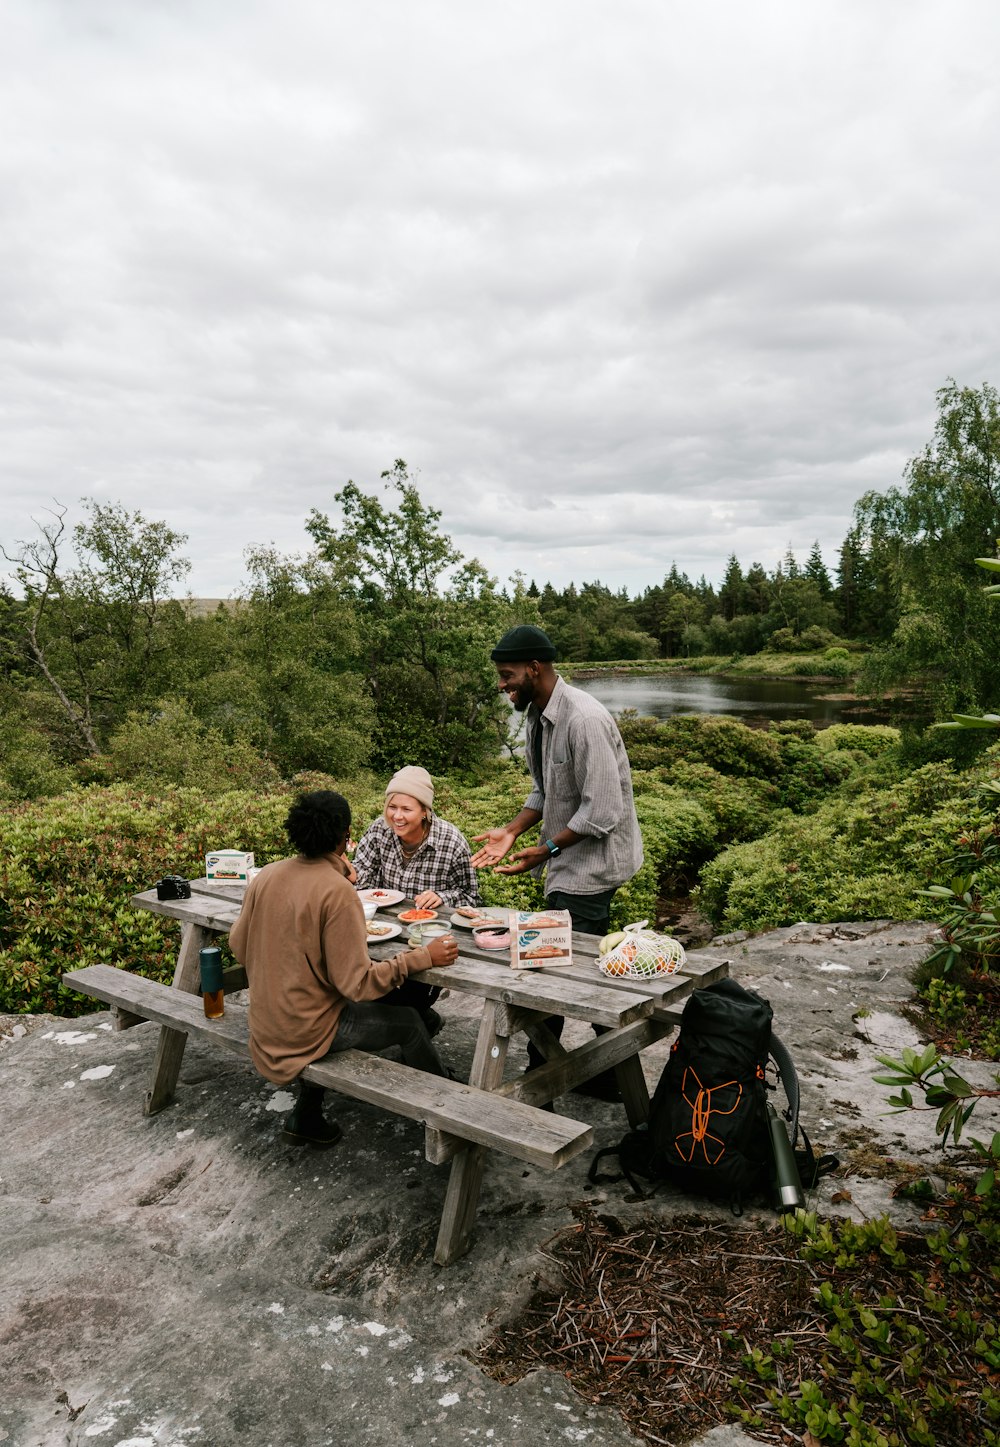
(602,1087)
(306,1124)
(320,1133)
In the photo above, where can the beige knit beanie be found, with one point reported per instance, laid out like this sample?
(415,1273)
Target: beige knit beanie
(416,782)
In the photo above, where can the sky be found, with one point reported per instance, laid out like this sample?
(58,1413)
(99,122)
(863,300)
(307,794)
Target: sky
(625,284)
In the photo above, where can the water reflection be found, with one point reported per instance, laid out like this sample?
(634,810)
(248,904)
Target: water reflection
(753,700)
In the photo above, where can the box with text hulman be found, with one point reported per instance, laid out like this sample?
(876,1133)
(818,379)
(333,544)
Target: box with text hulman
(540,937)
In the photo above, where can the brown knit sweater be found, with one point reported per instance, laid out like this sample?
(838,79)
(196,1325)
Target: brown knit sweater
(301,937)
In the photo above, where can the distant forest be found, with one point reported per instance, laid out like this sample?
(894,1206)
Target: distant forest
(797,607)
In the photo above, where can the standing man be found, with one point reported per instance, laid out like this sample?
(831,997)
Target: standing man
(582,790)
(302,938)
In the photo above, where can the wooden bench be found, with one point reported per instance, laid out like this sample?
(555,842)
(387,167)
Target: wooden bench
(443,1106)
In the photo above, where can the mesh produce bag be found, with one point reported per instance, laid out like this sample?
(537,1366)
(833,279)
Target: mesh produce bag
(642,954)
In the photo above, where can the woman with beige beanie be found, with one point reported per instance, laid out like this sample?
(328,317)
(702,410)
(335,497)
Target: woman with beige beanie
(409,848)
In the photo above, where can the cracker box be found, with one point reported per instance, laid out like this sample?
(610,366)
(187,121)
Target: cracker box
(232,864)
(541,938)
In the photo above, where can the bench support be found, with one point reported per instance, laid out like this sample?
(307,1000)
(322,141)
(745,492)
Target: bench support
(462,1196)
(170,1049)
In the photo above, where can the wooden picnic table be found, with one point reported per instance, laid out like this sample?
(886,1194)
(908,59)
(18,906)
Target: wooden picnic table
(461,1121)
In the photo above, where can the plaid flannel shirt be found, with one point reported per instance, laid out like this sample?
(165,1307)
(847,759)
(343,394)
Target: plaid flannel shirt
(441,863)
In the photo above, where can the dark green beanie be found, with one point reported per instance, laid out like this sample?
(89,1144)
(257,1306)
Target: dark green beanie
(524,644)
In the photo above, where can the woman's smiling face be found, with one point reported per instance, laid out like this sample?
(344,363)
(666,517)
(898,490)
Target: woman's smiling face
(405,817)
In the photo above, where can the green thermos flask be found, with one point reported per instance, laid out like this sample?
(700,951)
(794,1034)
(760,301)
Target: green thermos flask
(787,1188)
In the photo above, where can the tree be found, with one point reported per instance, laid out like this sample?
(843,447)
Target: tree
(98,634)
(758,589)
(425,637)
(683,611)
(797,604)
(281,669)
(815,571)
(926,536)
(733,593)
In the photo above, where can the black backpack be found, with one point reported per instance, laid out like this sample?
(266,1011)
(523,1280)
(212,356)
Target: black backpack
(708,1131)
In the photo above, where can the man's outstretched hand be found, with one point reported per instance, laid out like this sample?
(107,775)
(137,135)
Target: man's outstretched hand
(524,860)
(499,843)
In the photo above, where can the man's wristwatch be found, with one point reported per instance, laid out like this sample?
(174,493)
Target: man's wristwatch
(552,848)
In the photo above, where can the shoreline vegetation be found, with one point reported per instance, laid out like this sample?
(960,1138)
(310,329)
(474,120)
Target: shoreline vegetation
(793,668)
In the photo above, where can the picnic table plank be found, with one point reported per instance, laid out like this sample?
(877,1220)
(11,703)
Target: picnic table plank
(535,990)
(206,910)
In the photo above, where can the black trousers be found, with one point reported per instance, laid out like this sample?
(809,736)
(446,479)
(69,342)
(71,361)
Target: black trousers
(413,993)
(377,1026)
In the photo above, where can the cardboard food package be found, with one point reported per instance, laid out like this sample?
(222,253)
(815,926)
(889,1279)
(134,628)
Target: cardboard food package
(232,864)
(543,937)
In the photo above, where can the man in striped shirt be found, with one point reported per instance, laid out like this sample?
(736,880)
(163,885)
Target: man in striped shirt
(582,791)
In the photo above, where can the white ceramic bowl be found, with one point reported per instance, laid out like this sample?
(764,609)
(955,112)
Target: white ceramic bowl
(370,907)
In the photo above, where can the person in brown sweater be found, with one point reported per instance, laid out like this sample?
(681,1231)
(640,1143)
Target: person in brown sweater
(302,938)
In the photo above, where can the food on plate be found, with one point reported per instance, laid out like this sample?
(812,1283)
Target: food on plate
(417,916)
(469,911)
(376,929)
(478,920)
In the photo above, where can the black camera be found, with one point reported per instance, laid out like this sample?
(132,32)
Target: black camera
(174,886)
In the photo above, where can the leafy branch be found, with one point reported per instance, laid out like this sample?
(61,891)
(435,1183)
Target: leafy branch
(947,1092)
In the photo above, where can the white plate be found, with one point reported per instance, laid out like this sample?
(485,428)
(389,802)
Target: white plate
(381,897)
(387,931)
(459,922)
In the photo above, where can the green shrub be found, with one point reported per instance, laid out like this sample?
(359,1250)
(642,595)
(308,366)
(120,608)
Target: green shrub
(870,739)
(825,667)
(738,807)
(858,857)
(808,775)
(70,865)
(677,834)
(28,769)
(724,743)
(170,746)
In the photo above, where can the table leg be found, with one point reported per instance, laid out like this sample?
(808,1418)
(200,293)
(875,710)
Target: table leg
(462,1196)
(635,1095)
(170,1050)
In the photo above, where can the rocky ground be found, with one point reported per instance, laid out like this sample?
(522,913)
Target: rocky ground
(193,1279)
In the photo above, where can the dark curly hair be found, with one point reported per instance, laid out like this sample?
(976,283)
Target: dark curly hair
(318,823)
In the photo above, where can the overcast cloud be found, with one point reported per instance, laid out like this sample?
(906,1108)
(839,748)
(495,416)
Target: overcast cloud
(627,283)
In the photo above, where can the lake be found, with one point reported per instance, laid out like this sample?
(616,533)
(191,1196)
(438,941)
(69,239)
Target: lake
(753,700)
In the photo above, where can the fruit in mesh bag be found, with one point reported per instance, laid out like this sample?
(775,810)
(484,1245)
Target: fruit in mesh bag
(609,942)
(617,968)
